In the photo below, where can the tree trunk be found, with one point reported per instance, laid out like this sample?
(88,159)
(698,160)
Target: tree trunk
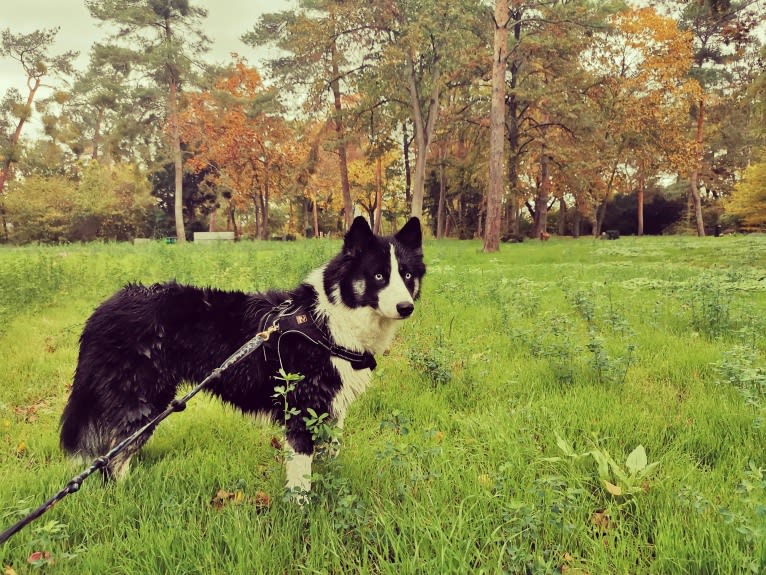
(512,117)
(232,221)
(577,221)
(407,169)
(442,208)
(97,134)
(265,204)
(694,192)
(212,224)
(640,206)
(600,216)
(424,128)
(316,217)
(378,195)
(497,129)
(541,201)
(340,133)
(175,144)
(260,228)
(562,217)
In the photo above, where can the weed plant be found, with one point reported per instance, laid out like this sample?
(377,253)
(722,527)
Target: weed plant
(560,407)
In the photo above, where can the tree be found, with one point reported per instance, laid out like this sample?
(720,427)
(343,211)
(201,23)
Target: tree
(31,51)
(748,202)
(163,37)
(430,46)
(241,147)
(105,202)
(496,128)
(316,42)
(640,99)
(113,117)
(722,30)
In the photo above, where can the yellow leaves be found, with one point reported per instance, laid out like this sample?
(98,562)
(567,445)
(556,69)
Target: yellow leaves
(484,481)
(261,500)
(21,449)
(748,201)
(223,497)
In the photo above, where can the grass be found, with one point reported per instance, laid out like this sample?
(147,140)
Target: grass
(500,436)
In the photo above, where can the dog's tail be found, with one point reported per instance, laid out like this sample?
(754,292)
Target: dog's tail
(79,432)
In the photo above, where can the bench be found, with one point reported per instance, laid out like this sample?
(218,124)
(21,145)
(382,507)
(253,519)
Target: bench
(213,236)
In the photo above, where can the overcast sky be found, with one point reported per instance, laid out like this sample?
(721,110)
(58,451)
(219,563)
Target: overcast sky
(227,20)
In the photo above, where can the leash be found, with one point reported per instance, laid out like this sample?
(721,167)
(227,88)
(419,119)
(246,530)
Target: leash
(176,405)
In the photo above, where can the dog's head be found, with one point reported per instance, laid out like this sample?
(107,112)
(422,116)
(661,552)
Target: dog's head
(381,272)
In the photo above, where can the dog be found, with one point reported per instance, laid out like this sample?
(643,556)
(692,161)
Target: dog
(139,345)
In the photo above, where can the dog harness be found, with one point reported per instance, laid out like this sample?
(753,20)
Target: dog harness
(292,318)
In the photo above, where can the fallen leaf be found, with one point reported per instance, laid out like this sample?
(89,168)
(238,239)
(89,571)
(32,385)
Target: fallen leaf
(276,443)
(601,520)
(612,488)
(222,497)
(40,556)
(21,449)
(262,500)
(8,570)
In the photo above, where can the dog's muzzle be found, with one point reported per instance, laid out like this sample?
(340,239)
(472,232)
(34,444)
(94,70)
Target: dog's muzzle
(405,308)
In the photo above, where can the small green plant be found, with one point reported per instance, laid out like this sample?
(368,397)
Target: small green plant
(433,364)
(608,369)
(584,302)
(281,392)
(711,307)
(555,343)
(48,543)
(406,452)
(618,480)
(324,433)
(738,368)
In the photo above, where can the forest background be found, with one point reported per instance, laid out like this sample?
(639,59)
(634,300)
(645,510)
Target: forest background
(498,120)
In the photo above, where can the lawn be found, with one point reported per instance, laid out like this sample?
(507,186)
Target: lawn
(572,406)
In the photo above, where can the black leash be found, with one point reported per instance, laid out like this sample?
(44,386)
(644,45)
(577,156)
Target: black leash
(176,405)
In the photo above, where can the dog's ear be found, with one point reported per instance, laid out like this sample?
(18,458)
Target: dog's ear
(410,236)
(358,236)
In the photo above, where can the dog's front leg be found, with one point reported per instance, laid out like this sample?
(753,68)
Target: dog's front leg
(298,468)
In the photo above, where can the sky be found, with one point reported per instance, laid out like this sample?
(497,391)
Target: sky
(227,20)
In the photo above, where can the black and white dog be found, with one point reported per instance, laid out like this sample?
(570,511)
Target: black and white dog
(142,343)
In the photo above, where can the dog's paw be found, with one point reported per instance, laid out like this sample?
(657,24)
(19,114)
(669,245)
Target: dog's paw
(297,496)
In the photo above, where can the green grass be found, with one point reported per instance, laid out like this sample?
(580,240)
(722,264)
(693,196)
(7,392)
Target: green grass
(477,448)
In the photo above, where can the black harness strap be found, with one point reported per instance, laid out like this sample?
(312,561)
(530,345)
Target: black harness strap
(292,318)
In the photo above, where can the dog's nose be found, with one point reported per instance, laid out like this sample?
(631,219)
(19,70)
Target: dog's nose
(405,308)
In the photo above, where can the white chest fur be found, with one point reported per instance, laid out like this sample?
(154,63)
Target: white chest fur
(354,383)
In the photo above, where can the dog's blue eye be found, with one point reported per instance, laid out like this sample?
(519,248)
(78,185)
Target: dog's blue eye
(379,277)
(408,276)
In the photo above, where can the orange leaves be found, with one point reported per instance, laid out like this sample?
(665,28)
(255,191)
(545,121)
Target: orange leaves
(240,146)
(261,500)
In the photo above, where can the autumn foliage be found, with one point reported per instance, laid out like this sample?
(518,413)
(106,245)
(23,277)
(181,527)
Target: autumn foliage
(242,150)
